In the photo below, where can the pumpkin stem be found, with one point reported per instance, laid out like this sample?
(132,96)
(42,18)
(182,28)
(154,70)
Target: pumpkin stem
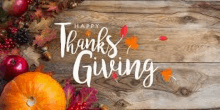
(31,101)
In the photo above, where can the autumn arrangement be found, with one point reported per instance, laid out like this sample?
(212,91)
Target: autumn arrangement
(36,89)
(33,90)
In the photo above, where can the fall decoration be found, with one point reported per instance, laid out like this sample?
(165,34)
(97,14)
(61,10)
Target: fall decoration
(4,53)
(45,36)
(167,74)
(17,15)
(163,38)
(31,55)
(15,7)
(115,76)
(88,33)
(124,31)
(12,66)
(22,37)
(32,91)
(81,101)
(132,43)
(7,44)
(46,54)
(104,107)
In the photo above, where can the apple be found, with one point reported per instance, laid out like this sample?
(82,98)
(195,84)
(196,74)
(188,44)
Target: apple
(12,66)
(15,7)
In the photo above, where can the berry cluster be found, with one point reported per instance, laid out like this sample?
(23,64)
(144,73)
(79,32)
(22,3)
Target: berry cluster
(78,106)
(12,29)
(7,44)
(30,1)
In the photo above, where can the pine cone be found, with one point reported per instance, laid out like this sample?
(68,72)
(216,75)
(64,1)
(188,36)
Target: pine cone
(22,37)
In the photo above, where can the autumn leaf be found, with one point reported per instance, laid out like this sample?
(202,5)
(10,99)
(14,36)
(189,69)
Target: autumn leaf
(88,95)
(88,33)
(50,36)
(39,40)
(45,36)
(163,38)
(167,74)
(15,51)
(115,76)
(30,55)
(38,13)
(132,43)
(52,6)
(124,31)
(69,91)
(41,67)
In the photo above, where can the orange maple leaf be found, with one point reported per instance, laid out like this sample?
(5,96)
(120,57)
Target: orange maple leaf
(88,33)
(166,74)
(132,42)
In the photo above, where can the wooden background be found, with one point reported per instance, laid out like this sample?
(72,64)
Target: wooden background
(192,51)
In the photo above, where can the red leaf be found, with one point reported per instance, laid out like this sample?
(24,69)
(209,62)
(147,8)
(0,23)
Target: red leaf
(124,31)
(114,75)
(69,91)
(88,95)
(163,38)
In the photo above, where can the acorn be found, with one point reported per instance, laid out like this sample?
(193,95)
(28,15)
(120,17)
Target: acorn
(46,55)
(104,107)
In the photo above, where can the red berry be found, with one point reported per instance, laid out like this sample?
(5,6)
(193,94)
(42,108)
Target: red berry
(8,44)
(12,29)
(30,1)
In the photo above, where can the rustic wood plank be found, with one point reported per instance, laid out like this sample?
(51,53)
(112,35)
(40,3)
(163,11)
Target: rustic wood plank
(196,86)
(193,30)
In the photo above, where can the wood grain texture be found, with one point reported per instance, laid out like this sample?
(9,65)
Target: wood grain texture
(196,86)
(192,51)
(192,28)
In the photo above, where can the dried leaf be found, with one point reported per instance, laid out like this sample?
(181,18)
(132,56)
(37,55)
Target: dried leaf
(39,40)
(30,55)
(132,42)
(46,36)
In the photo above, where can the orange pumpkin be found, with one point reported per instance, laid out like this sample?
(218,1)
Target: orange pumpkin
(33,91)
